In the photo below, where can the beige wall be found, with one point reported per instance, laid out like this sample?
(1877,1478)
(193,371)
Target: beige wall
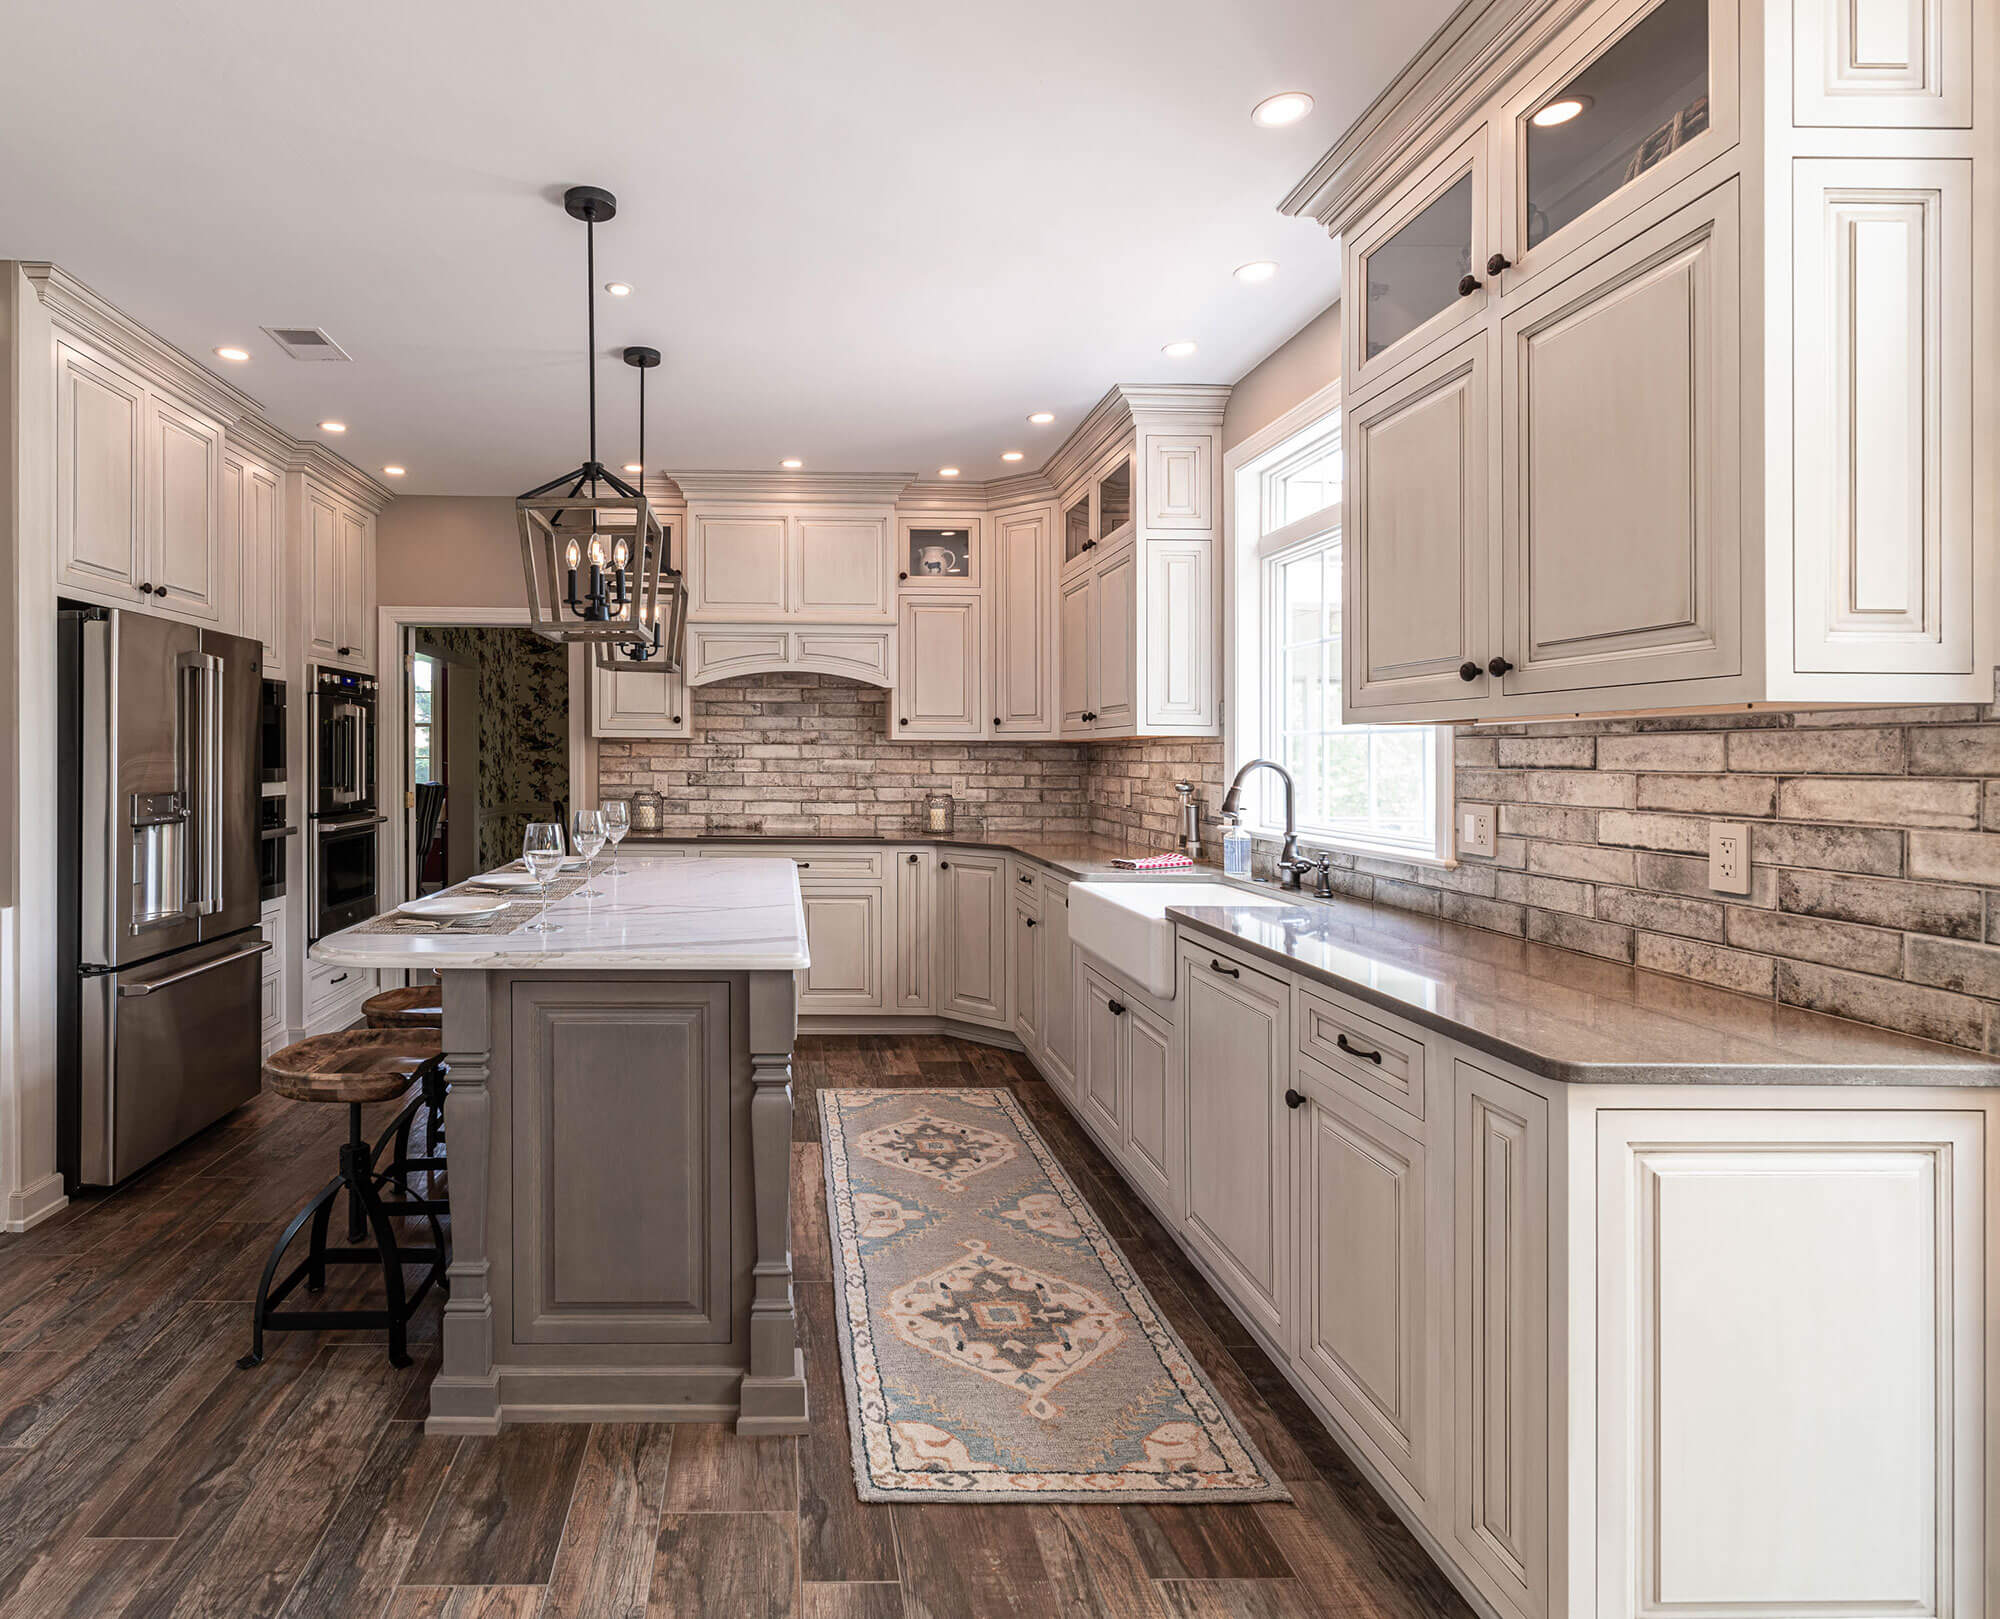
(1296,370)
(449,551)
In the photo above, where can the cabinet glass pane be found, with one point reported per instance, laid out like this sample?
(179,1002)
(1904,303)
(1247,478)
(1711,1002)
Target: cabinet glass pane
(1639,102)
(1076,529)
(1415,273)
(940,553)
(1114,500)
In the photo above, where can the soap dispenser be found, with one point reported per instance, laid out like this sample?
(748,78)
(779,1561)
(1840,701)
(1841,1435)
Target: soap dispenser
(1235,848)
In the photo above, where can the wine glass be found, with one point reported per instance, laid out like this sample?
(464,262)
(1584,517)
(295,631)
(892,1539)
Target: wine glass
(542,854)
(586,836)
(617,822)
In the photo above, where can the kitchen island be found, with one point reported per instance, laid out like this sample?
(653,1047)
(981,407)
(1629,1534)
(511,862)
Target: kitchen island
(619,1122)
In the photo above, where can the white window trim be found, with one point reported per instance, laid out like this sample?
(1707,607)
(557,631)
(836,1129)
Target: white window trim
(1244,734)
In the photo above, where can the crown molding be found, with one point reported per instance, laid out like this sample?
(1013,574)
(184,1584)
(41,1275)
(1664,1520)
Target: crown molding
(1192,404)
(1479,46)
(801,488)
(1019,489)
(83,314)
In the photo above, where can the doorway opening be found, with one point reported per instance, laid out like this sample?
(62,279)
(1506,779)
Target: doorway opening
(486,747)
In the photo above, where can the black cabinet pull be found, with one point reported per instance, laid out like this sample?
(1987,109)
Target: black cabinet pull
(1468,284)
(1498,262)
(1025,877)
(1294,1099)
(802,864)
(340,980)
(1356,1051)
(1469,670)
(1216,966)
(1498,667)
(1115,1008)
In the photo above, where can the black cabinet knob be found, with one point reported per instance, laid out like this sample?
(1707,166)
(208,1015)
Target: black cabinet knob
(1029,920)
(1498,667)
(1115,1008)
(1498,262)
(1468,284)
(904,721)
(146,590)
(914,859)
(943,865)
(1294,1098)
(996,722)
(1469,670)
(344,652)
(902,576)
(677,719)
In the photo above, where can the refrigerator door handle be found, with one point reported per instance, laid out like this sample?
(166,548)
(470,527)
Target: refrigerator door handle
(262,947)
(208,836)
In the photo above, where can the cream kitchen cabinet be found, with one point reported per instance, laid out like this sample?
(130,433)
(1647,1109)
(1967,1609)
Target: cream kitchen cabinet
(1236,1037)
(1021,618)
(252,533)
(973,911)
(338,541)
(1056,964)
(139,492)
(1026,967)
(859,652)
(1137,610)
(763,550)
(1100,1056)
(916,930)
(847,923)
(940,686)
(1693,425)
(639,701)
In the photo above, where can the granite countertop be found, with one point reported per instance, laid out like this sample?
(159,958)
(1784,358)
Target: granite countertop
(656,915)
(1071,857)
(1571,1017)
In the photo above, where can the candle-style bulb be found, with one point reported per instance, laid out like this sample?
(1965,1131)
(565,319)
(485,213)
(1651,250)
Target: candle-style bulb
(596,551)
(571,556)
(620,552)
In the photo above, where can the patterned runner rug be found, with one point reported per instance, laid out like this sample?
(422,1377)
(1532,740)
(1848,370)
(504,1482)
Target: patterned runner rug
(994,1342)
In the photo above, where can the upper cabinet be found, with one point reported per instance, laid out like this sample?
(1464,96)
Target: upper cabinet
(337,548)
(940,552)
(761,551)
(138,491)
(1138,613)
(1663,382)
(1021,613)
(253,537)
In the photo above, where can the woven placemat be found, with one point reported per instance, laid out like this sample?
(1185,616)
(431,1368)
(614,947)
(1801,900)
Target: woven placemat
(517,914)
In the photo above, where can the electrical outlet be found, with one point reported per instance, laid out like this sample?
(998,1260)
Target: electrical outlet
(1475,829)
(1729,857)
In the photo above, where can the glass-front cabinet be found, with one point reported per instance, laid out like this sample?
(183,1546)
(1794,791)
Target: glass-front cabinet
(1077,540)
(1416,265)
(1620,110)
(1114,501)
(939,550)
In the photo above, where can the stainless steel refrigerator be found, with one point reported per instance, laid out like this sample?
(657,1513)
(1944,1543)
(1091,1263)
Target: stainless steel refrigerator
(157,840)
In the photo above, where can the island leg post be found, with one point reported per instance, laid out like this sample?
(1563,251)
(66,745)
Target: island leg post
(774,1391)
(465,1396)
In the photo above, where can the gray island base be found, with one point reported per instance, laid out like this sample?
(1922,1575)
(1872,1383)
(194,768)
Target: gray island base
(619,1130)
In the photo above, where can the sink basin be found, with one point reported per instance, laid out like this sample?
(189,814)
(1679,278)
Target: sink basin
(1125,924)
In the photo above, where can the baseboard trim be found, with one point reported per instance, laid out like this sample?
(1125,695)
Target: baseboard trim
(34,1203)
(978,1034)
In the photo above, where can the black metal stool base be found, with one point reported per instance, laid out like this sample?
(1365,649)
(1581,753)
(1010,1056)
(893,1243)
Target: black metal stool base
(363,1183)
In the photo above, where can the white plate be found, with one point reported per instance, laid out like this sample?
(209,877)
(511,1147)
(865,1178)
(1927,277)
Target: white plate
(505,879)
(453,907)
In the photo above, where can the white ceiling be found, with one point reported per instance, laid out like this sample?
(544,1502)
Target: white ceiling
(872,234)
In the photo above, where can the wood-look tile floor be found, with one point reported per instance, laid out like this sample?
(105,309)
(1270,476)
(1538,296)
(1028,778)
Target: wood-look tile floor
(142,1474)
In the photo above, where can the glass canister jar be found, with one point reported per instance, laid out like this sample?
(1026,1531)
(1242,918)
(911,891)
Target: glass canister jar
(938,809)
(645,810)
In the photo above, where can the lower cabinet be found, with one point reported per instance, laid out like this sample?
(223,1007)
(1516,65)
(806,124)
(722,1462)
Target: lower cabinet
(972,921)
(1100,1065)
(1057,1051)
(846,933)
(1154,1092)
(916,930)
(1236,1033)
(1027,968)
(1367,1336)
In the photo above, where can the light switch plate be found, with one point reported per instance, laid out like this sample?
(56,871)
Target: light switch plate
(1729,857)
(1475,829)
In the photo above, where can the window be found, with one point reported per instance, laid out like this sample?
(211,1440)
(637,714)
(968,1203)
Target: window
(424,729)
(1381,789)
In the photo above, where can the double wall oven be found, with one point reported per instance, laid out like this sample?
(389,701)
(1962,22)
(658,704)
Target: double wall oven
(343,857)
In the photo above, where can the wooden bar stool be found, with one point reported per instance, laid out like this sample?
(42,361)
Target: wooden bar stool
(418,1006)
(354,1068)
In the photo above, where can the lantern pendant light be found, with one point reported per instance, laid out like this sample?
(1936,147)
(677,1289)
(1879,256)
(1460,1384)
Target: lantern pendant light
(665,611)
(594,555)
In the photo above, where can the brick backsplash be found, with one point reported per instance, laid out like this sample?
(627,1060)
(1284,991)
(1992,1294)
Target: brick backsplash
(809,755)
(1874,845)
(1874,855)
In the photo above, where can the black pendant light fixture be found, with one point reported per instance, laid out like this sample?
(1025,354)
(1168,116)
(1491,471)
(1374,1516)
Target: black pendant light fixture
(594,555)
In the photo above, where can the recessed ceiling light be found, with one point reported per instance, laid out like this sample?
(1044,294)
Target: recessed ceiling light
(333,427)
(234,355)
(1287,107)
(1261,270)
(1559,112)
(947,472)
(633,466)
(1011,455)
(619,289)
(1180,350)
(392,472)
(791,464)
(1042,418)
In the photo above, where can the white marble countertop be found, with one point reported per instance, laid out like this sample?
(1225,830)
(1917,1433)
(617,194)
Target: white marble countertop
(654,916)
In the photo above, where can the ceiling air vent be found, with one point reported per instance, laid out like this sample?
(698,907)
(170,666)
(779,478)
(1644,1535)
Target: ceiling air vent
(306,343)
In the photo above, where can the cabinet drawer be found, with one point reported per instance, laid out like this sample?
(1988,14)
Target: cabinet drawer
(272,924)
(1377,1058)
(327,986)
(816,865)
(1207,960)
